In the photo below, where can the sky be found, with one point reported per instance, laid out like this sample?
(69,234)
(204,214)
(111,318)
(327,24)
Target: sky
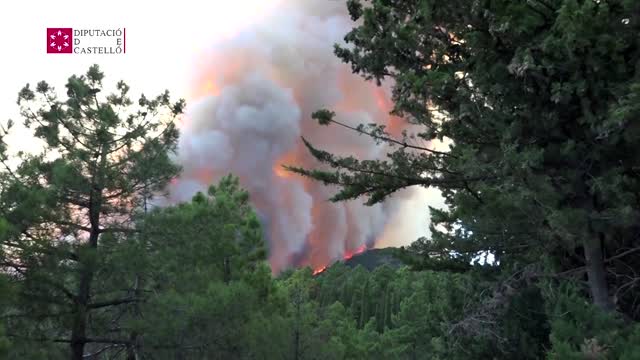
(164,40)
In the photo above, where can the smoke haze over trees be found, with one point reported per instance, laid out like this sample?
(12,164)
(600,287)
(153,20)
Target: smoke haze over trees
(535,256)
(254,96)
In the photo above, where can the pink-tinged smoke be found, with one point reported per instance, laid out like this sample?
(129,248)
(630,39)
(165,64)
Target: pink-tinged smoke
(252,101)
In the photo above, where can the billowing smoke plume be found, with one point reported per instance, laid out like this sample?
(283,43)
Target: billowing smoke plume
(254,95)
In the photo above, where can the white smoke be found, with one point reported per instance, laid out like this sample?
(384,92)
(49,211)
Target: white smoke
(263,85)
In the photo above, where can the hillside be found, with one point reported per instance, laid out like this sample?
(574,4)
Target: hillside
(374,258)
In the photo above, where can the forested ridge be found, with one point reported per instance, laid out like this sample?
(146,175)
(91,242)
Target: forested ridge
(535,256)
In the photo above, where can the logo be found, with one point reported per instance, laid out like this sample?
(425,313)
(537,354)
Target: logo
(111,41)
(59,40)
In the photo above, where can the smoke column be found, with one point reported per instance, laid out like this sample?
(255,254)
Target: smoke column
(252,100)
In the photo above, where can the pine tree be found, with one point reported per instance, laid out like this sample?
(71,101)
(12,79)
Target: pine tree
(538,100)
(70,204)
(205,266)
(364,304)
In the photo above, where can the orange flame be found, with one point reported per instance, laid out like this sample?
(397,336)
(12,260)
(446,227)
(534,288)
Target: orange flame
(395,125)
(349,254)
(287,159)
(205,85)
(319,270)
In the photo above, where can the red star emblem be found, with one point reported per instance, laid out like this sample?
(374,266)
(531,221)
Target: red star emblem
(59,40)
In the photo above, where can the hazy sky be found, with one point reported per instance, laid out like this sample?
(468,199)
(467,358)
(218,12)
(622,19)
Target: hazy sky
(164,39)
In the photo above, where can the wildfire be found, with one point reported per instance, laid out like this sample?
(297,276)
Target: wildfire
(205,85)
(349,254)
(319,270)
(255,96)
(395,125)
(280,171)
(290,157)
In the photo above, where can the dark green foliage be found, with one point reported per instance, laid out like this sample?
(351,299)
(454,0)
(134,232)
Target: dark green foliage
(580,331)
(207,272)
(375,258)
(6,294)
(213,234)
(351,313)
(537,100)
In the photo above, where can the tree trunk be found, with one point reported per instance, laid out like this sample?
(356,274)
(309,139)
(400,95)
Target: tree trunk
(363,306)
(596,271)
(134,336)
(414,352)
(296,332)
(296,345)
(132,351)
(135,339)
(226,270)
(79,329)
(386,312)
(78,333)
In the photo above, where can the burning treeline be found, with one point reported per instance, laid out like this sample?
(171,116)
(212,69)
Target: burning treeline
(251,103)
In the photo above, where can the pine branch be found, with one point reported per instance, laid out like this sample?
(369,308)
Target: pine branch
(325,120)
(115,302)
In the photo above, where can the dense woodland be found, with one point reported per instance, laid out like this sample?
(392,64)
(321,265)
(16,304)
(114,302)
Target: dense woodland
(538,99)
